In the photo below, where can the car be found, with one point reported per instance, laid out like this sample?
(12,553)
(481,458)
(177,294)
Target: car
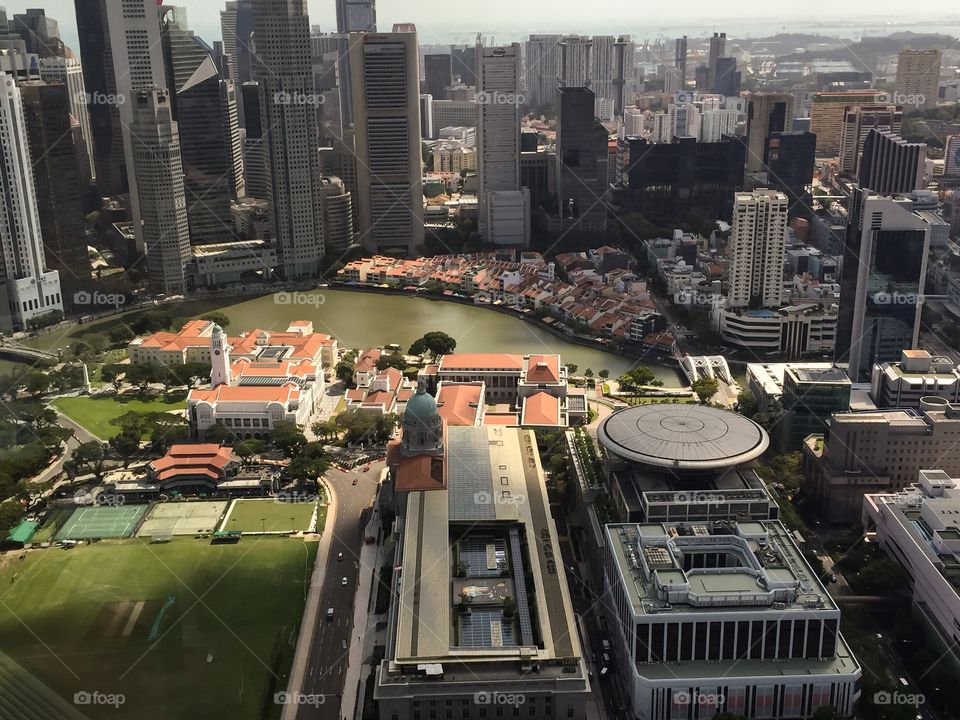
(330,613)
(355,481)
(343,582)
(339,556)
(604,671)
(366,469)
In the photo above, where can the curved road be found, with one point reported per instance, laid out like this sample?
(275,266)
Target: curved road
(330,645)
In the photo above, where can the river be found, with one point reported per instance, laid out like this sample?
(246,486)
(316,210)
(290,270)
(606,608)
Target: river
(365,319)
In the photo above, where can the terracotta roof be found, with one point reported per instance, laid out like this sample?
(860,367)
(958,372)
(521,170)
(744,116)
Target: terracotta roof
(541,409)
(206,459)
(500,419)
(543,369)
(459,403)
(481,361)
(247,393)
(368,361)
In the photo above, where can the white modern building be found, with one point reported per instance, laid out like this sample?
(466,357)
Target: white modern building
(542,68)
(386,115)
(67,70)
(28,287)
(723,617)
(756,248)
(919,527)
(790,332)
(575,63)
(717,122)
(284,72)
(158,168)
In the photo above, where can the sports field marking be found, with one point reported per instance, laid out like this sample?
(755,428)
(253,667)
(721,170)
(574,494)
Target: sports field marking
(137,609)
(108,521)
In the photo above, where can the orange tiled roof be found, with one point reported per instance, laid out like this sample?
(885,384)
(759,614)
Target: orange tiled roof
(247,393)
(459,403)
(543,369)
(541,409)
(481,361)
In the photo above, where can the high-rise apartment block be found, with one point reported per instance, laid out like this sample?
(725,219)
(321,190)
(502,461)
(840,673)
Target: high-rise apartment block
(918,78)
(542,69)
(827,110)
(756,249)
(28,288)
(386,113)
(674,79)
(284,74)
(575,61)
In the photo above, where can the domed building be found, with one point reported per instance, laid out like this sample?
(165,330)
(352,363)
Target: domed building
(422,425)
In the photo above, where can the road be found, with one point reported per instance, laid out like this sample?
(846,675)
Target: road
(327,661)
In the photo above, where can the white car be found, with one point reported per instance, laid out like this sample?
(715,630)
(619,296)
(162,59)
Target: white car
(343,582)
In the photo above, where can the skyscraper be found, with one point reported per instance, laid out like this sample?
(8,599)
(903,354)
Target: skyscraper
(890,165)
(289,127)
(255,172)
(437,74)
(766,113)
(674,79)
(58,183)
(575,61)
(542,69)
(601,66)
(884,271)
(582,156)
(39,32)
(498,145)
(623,71)
(790,160)
(858,120)
(718,47)
(951,156)
(96,53)
(756,249)
(918,78)
(728,77)
(356,16)
(159,173)
(236,25)
(337,214)
(28,289)
(205,144)
(67,70)
(464,64)
(230,122)
(386,113)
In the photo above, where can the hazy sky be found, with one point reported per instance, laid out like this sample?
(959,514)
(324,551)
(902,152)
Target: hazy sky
(641,19)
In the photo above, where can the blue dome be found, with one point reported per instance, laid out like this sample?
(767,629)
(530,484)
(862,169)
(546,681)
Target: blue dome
(421,405)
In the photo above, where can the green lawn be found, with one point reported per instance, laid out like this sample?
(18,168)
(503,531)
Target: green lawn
(640,400)
(258,514)
(224,646)
(95,414)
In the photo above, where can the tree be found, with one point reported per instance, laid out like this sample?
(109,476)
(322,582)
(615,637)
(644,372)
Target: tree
(126,443)
(113,373)
(604,374)
(880,577)
(637,377)
(216,433)
(747,403)
(288,438)
(218,318)
(705,388)
(572,368)
(140,376)
(393,360)
(38,382)
(247,449)
(193,372)
(436,343)
(120,334)
(86,458)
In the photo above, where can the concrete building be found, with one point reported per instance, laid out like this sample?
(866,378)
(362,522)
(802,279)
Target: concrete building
(337,205)
(438,74)
(951,155)
(356,16)
(473,515)
(716,123)
(624,72)
(918,78)
(256,172)
(916,376)
(59,168)
(810,397)
(68,71)
(236,25)
(791,158)
(791,332)
(756,249)
(217,264)
(455,113)
(683,463)
(766,113)
(826,115)
(724,617)
(718,47)
(542,69)
(284,73)
(858,121)
(890,165)
(504,209)
(162,206)
(675,78)
(582,156)
(877,452)
(885,258)
(602,70)
(918,528)
(29,289)
(575,61)
(386,116)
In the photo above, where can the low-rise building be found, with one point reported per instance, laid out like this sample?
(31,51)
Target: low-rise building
(878,452)
(918,374)
(724,617)
(231,262)
(919,527)
(792,332)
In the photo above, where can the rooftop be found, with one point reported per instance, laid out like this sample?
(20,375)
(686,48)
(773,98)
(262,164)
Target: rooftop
(682,436)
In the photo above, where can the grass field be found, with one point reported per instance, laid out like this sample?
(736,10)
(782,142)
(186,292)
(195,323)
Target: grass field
(266,514)
(102,522)
(79,619)
(95,414)
(183,518)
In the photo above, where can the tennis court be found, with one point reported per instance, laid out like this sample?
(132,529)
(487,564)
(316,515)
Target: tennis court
(103,521)
(183,518)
